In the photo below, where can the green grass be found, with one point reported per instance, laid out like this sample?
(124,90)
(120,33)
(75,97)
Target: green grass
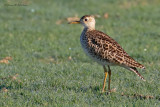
(40,52)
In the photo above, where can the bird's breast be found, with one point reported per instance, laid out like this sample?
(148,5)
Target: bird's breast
(90,51)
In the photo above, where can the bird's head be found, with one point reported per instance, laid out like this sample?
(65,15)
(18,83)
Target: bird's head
(87,21)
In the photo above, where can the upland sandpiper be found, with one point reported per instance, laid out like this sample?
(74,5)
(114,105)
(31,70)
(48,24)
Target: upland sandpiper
(104,50)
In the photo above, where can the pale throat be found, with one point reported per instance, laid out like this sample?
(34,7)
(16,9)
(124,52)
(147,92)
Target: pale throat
(90,26)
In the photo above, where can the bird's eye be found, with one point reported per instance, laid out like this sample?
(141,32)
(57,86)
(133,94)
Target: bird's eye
(85,19)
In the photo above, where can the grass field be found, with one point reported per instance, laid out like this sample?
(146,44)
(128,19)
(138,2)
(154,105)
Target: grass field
(42,63)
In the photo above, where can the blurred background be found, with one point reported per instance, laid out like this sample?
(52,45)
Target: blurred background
(42,63)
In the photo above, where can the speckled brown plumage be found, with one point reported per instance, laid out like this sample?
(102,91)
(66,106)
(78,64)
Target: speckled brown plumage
(108,49)
(105,50)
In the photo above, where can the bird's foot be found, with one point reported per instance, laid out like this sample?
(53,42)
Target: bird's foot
(103,91)
(109,91)
(112,90)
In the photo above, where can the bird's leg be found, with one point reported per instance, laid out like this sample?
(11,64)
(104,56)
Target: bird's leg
(106,73)
(109,72)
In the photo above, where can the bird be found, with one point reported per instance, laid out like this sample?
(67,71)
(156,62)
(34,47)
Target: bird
(104,50)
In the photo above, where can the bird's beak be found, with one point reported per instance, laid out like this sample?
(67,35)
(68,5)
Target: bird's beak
(74,22)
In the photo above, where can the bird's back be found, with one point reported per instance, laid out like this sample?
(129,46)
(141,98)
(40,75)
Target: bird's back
(106,50)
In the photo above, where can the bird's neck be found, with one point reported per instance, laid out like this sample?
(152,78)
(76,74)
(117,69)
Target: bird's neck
(89,28)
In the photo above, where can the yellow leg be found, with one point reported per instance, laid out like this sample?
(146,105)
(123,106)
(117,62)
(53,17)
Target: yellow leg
(106,73)
(109,72)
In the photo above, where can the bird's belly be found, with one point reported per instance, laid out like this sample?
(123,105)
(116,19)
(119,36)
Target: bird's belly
(93,56)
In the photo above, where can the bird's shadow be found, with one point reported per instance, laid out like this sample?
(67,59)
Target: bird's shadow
(97,90)
(94,89)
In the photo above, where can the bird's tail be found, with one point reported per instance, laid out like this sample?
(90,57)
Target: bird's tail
(136,71)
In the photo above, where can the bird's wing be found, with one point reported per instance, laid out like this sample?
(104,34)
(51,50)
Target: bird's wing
(107,48)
